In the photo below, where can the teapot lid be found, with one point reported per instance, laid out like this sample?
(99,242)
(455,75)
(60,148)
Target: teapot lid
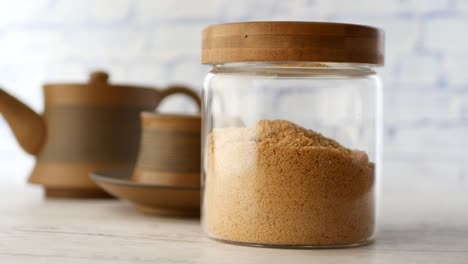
(98,91)
(98,77)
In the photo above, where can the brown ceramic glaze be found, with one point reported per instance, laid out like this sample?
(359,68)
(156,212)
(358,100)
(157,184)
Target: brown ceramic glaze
(169,150)
(84,127)
(150,198)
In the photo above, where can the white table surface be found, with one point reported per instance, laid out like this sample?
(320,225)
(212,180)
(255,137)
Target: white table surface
(414,228)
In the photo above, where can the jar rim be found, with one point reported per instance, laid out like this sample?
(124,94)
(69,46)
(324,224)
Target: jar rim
(294,69)
(294,64)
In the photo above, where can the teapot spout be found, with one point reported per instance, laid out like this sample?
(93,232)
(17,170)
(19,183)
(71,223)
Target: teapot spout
(27,126)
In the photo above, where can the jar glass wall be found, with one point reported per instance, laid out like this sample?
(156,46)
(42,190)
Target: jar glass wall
(291,153)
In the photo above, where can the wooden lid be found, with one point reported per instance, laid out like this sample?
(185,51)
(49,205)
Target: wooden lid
(292,41)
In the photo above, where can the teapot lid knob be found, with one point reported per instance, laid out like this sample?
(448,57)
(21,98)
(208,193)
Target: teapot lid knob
(98,77)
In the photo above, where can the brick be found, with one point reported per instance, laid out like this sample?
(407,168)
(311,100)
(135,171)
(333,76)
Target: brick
(405,106)
(396,46)
(187,71)
(423,6)
(418,70)
(455,69)
(461,6)
(149,11)
(122,72)
(24,80)
(242,10)
(447,35)
(21,11)
(424,176)
(158,42)
(148,73)
(178,103)
(65,12)
(117,69)
(303,10)
(381,7)
(233,11)
(66,71)
(30,46)
(117,43)
(176,40)
(438,143)
(461,105)
(358,6)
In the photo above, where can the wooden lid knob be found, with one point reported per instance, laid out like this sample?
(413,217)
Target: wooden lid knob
(99,77)
(292,41)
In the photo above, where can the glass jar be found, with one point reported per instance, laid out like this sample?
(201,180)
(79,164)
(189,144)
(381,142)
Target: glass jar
(291,133)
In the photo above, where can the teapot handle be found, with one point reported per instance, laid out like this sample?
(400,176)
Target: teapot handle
(179,89)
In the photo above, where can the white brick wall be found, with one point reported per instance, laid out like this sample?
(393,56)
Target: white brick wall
(158,42)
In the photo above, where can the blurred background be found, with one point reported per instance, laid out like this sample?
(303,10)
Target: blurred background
(158,43)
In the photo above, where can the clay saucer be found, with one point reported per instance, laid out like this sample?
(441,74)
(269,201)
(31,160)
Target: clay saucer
(150,198)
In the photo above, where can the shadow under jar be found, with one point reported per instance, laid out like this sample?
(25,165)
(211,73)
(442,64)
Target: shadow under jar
(291,133)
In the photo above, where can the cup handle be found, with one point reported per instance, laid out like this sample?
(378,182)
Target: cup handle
(179,89)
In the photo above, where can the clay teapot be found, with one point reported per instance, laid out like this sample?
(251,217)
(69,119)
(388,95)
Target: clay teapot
(85,127)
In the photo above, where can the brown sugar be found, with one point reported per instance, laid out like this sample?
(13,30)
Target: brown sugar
(282,184)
